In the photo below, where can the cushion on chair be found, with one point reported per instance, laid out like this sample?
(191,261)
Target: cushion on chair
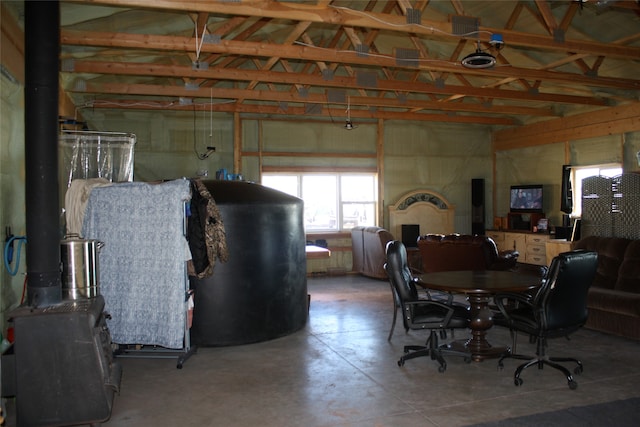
(611,300)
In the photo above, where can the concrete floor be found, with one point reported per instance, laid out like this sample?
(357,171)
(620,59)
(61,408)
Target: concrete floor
(340,371)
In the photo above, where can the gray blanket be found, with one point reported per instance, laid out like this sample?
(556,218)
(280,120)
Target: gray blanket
(142,265)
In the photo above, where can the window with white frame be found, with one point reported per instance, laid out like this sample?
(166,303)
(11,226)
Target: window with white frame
(332,201)
(578,173)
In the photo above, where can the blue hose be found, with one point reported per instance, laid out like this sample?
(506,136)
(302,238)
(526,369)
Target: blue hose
(8,253)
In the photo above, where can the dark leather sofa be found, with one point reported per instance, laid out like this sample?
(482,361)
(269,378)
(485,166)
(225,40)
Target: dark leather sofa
(614,296)
(453,252)
(368,246)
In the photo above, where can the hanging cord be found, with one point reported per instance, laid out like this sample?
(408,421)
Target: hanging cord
(348,109)
(199,43)
(210,149)
(195,149)
(8,253)
(329,111)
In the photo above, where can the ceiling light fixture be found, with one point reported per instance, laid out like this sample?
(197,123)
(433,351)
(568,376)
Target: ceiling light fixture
(349,124)
(479,59)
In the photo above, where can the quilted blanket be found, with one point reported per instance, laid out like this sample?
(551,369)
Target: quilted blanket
(142,265)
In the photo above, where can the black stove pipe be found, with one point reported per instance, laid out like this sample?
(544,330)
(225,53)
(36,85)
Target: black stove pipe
(42,53)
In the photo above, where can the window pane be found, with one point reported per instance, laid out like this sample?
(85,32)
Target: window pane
(332,201)
(358,188)
(354,214)
(611,172)
(581,173)
(320,202)
(285,183)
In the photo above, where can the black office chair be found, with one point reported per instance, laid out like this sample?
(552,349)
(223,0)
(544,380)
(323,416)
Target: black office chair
(558,309)
(422,313)
(423,293)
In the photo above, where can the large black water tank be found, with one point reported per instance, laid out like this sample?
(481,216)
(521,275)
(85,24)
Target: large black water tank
(260,293)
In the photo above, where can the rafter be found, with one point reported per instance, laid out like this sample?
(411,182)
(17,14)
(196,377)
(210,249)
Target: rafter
(281,96)
(176,43)
(299,29)
(341,82)
(275,53)
(349,17)
(547,16)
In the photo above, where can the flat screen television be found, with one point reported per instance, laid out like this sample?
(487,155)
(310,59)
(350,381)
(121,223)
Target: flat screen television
(526,198)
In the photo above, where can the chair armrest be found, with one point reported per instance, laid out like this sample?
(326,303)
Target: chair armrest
(415,271)
(434,294)
(505,260)
(507,302)
(421,303)
(509,253)
(523,298)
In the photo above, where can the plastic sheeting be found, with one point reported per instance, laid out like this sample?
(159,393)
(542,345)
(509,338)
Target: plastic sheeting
(107,155)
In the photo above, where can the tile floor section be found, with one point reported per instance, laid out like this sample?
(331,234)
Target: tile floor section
(340,370)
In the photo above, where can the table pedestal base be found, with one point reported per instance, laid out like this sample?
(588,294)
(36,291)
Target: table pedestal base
(480,354)
(480,321)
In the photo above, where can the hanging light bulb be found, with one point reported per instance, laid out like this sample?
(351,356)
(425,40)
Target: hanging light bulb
(349,124)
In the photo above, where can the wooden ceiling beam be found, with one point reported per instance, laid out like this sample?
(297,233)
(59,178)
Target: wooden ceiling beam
(340,16)
(608,121)
(285,96)
(547,16)
(298,30)
(231,47)
(302,68)
(98,67)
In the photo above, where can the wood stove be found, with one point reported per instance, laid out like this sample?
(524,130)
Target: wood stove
(65,372)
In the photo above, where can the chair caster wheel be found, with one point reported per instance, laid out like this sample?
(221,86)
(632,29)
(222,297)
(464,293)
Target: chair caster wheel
(401,362)
(500,366)
(573,385)
(517,381)
(578,370)
(467,360)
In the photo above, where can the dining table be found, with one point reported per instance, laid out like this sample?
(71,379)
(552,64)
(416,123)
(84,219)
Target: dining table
(479,288)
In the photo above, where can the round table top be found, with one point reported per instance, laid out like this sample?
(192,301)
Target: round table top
(480,282)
